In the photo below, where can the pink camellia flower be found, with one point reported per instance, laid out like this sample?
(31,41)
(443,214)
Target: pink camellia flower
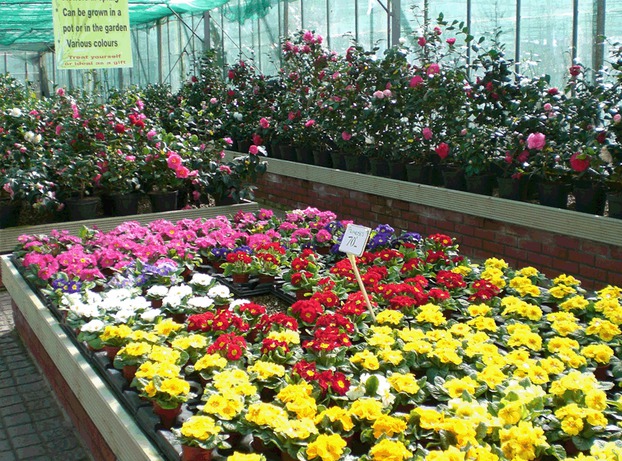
(231,74)
(224,169)
(100,136)
(346,136)
(213,101)
(130,158)
(579,162)
(433,68)
(617,118)
(442,150)
(228,140)
(415,81)
(548,106)
(523,156)
(151,134)
(59,128)
(8,189)
(421,41)
(553,91)
(182,172)
(264,122)
(174,160)
(437,30)
(253,149)
(60,92)
(308,36)
(451,40)
(508,158)
(196,195)
(387,93)
(119,128)
(257,140)
(427,133)
(306,49)
(536,141)
(378,94)
(309,123)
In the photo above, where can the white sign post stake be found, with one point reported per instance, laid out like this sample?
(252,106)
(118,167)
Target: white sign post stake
(353,244)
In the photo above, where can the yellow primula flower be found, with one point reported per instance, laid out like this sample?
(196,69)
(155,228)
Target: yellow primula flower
(327,447)
(483,324)
(522,440)
(565,279)
(135,349)
(166,327)
(603,328)
(528,272)
(496,263)
(366,408)
(389,450)
(389,316)
(210,361)
(411,334)
(225,407)
(266,370)
(175,387)
(492,376)
(164,354)
(601,353)
(429,418)
(287,336)
(142,335)
(200,427)
(379,339)
(266,414)
(561,291)
(512,412)
(574,303)
(388,425)
(193,341)
(336,414)
(367,359)
(462,270)
(297,429)
(237,456)
(479,310)
(431,313)
(115,332)
(150,369)
(456,386)
(391,356)
(404,382)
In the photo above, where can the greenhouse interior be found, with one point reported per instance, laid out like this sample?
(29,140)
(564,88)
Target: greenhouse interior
(314,230)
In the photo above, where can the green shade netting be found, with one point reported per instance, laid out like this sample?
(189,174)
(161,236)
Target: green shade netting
(27,25)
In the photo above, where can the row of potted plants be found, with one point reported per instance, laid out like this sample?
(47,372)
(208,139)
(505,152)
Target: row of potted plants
(424,106)
(451,358)
(71,147)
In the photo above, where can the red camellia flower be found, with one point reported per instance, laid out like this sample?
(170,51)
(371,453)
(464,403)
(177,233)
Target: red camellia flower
(442,150)
(574,70)
(415,81)
(579,162)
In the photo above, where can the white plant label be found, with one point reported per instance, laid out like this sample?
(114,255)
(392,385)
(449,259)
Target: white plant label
(355,239)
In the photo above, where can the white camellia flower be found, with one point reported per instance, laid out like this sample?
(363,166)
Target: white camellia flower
(237,117)
(15,112)
(93,326)
(29,136)
(37,138)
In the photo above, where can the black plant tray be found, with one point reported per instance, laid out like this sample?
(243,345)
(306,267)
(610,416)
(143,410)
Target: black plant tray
(283,295)
(251,288)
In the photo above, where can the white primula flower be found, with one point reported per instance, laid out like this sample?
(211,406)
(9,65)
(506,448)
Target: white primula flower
(219,291)
(123,315)
(202,280)
(140,303)
(15,112)
(117,294)
(238,302)
(181,291)
(84,310)
(200,302)
(157,291)
(172,301)
(93,326)
(150,315)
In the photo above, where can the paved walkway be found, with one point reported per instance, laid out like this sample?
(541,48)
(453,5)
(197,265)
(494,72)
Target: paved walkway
(32,425)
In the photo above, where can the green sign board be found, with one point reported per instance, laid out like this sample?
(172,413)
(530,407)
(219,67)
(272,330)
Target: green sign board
(92,34)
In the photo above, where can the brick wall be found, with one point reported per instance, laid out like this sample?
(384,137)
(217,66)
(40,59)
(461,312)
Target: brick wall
(594,263)
(90,435)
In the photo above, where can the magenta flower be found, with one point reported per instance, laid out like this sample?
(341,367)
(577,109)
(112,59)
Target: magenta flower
(346,136)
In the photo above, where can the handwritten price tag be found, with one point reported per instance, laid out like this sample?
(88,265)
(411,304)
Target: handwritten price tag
(355,239)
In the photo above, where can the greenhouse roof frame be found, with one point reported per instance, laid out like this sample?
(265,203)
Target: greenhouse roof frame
(27,25)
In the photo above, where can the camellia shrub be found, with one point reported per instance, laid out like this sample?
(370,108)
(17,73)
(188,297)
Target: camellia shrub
(452,359)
